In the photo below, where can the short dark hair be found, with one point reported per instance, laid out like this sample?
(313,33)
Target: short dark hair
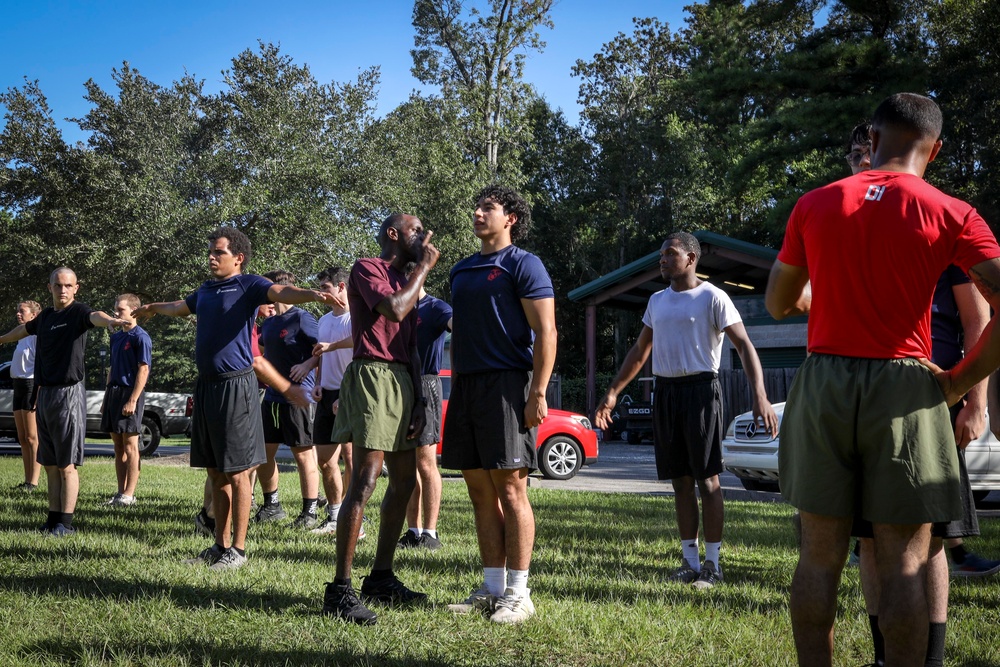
(910,112)
(512,202)
(861,135)
(238,242)
(333,275)
(131,300)
(280,277)
(394,221)
(687,242)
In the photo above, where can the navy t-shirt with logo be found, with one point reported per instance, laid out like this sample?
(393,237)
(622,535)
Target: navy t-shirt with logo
(433,315)
(62,338)
(947,341)
(129,349)
(226,311)
(288,340)
(489,328)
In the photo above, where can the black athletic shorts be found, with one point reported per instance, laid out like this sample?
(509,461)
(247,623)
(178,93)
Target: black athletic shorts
(485,425)
(25,394)
(226,429)
(325,419)
(967,526)
(112,419)
(687,426)
(61,416)
(431,434)
(287,424)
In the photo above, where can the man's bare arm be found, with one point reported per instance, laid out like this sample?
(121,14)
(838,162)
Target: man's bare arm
(541,315)
(296,295)
(634,360)
(401,303)
(974,313)
(788,292)
(141,376)
(14,335)
(762,409)
(270,376)
(101,319)
(168,308)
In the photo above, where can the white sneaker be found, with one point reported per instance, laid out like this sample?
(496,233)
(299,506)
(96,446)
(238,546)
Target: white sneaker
(121,500)
(479,600)
(513,607)
(328,527)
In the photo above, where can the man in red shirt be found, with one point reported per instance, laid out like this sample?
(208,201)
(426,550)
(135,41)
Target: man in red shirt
(866,427)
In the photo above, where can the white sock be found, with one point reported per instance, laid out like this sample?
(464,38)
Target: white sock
(712,552)
(432,533)
(690,550)
(333,510)
(518,580)
(415,531)
(496,579)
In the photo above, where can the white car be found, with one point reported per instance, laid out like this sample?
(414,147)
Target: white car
(750,453)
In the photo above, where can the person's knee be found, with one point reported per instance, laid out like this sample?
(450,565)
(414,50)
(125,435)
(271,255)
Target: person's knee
(709,486)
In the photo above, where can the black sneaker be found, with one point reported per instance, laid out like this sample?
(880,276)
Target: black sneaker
(26,487)
(409,540)
(305,522)
(389,591)
(709,576)
(342,602)
(204,524)
(425,541)
(321,502)
(270,513)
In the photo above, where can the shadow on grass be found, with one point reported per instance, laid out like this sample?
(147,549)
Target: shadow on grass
(72,652)
(185,595)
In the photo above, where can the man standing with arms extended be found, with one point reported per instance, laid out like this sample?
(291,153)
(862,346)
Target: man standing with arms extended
(866,428)
(61,410)
(683,327)
(125,397)
(433,325)
(503,351)
(381,410)
(226,431)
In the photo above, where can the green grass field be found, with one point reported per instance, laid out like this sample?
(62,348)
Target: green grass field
(117,593)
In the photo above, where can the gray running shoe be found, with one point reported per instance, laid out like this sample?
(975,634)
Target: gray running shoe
(209,556)
(229,560)
(342,602)
(513,607)
(61,531)
(113,500)
(305,521)
(710,576)
(685,574)
(479,600)
(328,527)
(270,513)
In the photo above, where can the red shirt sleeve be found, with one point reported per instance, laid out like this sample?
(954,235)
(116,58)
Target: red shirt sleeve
(976,243)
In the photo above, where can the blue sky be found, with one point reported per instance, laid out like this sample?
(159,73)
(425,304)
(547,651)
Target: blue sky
(62,44)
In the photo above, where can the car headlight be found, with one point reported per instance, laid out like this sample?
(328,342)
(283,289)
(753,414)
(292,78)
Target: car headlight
(582,421)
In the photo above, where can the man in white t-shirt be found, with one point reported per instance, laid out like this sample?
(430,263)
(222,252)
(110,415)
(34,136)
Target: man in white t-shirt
(334,352)
(683,328)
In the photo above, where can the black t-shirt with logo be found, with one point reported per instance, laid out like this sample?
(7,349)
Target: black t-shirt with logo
(62,337)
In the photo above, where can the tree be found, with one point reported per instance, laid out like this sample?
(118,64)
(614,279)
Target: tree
(479,63)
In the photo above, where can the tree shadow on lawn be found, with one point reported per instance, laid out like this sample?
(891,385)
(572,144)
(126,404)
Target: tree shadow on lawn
(196,652)
(185,595)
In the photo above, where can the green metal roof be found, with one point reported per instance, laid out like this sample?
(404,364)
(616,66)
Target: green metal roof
(738,267)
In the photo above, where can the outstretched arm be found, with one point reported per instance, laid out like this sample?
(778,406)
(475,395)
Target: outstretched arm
(762,409)
(101,319)
(633,363)
(168,308)
(296,295)
(15,334)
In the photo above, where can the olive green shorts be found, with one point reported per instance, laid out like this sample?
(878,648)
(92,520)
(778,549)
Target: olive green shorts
(869,436)
(376,399)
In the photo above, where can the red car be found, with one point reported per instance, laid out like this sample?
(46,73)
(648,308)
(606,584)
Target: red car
(566,442)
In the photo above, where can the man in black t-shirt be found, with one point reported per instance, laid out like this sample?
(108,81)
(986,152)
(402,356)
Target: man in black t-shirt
(61,410)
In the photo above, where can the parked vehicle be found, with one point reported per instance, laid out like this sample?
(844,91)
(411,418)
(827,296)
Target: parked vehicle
(165,414)
(566,441)
(751,454)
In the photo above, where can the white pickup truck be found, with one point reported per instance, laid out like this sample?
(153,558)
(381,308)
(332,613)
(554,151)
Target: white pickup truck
(165,414)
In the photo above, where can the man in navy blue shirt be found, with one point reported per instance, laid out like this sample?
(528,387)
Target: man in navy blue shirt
(226,432)
(125,397)
(503,351)
(288,338)
(433,325)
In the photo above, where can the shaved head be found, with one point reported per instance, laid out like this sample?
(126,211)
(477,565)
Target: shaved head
(54,276)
